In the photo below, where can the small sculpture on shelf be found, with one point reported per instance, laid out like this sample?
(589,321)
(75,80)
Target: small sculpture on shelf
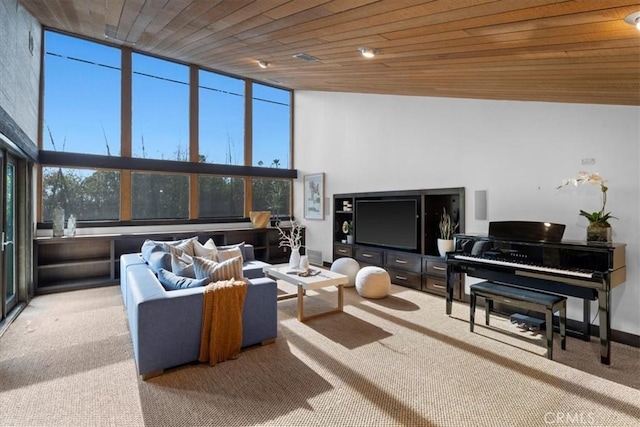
(347,229)
(58,221)
(71,226)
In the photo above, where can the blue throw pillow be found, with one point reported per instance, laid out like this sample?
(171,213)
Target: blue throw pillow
(158,260)
(149,247)
(172,282)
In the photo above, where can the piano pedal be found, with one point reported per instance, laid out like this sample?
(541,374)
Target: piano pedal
(527,323)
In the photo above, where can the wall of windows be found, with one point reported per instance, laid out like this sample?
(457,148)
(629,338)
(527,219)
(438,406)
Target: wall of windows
(271,126)
(221,197)
(160,109)
(130,137)
(221,119)
(93,195)
(159,196)
(82,101)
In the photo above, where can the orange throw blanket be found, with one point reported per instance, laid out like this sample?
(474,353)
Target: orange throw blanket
(221,335)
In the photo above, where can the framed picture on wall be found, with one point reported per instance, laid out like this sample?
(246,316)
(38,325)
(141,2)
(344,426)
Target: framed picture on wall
(314,196)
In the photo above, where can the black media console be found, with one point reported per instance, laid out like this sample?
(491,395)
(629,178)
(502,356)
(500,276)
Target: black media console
(398,230)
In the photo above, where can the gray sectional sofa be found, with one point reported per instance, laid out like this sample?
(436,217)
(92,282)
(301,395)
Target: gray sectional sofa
(165,324)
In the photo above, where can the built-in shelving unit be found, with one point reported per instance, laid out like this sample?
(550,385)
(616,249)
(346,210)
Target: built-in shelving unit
(69,263)
(420,266)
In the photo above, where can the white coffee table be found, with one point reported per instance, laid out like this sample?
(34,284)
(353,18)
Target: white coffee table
(324,279)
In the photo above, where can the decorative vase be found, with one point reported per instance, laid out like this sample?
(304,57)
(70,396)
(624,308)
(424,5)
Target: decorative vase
(304,262)
(597,232)
(294,259)
(349,239)
(444,246)
(71,226)
(58,222)
(260,219)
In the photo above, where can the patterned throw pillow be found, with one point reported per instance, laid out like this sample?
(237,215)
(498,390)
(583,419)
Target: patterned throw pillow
(237,245)
(173,250)
(226,254)
(173,282)
(230,269)
(208,250)
(184,247)
(181,267)
(187,245)
(150,246)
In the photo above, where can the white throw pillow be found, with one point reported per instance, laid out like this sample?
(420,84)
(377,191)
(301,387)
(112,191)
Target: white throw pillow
(208,250)
(230,269)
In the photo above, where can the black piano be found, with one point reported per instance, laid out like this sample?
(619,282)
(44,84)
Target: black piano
(533,255)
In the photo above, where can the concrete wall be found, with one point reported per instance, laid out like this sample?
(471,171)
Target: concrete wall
(518,152)
(20,66)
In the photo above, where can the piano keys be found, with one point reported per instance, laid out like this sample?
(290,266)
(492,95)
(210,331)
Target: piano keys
(532,255)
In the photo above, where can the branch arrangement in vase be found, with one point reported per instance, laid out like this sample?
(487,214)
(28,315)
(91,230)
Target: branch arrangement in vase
(291,239)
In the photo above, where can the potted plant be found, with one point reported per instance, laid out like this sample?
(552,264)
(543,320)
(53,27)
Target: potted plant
(447,228)
(347,229)
(599,229)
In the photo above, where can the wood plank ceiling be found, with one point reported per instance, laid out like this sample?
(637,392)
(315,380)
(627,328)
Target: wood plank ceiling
(534,50)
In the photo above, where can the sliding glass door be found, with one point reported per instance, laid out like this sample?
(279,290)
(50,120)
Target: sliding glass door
(8,247)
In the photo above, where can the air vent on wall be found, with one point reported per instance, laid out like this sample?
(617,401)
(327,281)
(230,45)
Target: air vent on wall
(305,57)
(315,257)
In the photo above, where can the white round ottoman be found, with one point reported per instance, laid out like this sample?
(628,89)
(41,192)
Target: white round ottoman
(348,267)
(373,282)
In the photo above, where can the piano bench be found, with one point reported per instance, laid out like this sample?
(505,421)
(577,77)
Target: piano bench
(522,298)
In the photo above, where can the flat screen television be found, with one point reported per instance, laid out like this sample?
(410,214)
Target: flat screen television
(391,223)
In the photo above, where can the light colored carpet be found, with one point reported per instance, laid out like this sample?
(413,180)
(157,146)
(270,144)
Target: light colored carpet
(67,361)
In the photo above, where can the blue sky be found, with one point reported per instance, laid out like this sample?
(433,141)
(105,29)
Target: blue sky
(82,107)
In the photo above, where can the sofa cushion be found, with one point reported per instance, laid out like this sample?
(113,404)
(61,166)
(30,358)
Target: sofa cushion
(158,260)
(254,269)
(172,282)
(215,271)
(181,267)
(208,250)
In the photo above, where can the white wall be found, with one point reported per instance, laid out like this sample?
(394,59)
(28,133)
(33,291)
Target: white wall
(518,151)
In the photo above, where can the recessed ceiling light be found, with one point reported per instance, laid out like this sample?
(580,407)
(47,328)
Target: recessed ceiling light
(633,19)
(368,52)
(263,64)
